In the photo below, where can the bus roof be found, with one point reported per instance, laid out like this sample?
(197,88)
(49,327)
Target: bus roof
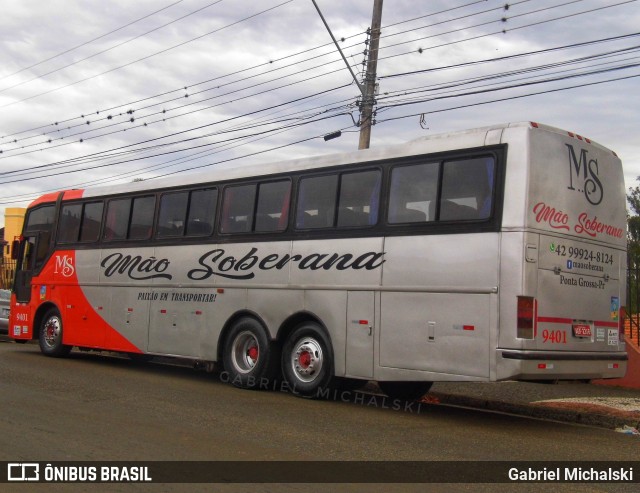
(464,139)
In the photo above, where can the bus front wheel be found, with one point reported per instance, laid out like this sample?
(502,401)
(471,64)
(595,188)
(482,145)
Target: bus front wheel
(307,361)
(249,357)
(50,335)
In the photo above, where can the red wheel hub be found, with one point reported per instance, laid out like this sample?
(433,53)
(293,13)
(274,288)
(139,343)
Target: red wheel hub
(253,353)
(305,359)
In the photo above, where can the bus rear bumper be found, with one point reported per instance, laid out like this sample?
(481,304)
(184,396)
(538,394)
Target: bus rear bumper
(555,365)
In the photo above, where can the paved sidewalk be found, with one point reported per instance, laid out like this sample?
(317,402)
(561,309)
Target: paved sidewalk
(576,402)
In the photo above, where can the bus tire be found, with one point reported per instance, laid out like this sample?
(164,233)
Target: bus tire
(307,361)
(50,335)
(250,358)
(407,391)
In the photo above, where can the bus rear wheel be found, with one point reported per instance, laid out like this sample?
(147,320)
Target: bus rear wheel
(250,358)
(50,335)
(307,361)
(407,391)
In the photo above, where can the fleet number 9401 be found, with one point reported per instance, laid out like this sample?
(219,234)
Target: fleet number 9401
(554,336)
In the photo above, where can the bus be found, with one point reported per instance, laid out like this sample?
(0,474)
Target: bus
(491,254)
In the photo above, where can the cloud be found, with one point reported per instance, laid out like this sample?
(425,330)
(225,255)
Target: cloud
(244,73)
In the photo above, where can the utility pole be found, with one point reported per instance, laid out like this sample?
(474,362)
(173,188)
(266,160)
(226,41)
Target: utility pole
(366,111)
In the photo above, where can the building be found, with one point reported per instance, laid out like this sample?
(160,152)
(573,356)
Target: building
(13,221)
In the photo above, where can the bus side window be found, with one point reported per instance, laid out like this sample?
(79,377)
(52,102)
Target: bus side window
(359,199)
(91,221)
(237,209)
(413,193)
(117,219)
(316,202)
(69,228)
(142,218)
(202,212)
(43,248)
(467,187)
(80,222)
(272,211)
(173,210)
(39,223)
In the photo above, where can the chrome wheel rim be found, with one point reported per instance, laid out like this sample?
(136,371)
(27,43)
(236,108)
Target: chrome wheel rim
(245,352)
(52,332)
(307,359)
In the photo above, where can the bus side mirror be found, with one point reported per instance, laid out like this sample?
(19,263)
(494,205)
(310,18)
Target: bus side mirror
(15,249)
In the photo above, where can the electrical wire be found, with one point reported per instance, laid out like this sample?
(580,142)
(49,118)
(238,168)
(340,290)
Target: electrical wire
(88,42)
(145,57)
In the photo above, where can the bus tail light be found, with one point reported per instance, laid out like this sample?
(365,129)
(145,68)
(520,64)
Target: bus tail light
(622,327)
(526,317)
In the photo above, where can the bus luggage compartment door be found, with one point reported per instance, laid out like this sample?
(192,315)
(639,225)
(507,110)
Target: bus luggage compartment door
(446,333)
(360,333)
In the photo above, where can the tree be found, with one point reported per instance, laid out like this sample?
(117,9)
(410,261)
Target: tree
(633,248)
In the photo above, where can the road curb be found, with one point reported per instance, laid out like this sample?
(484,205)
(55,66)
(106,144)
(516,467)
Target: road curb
(540,411)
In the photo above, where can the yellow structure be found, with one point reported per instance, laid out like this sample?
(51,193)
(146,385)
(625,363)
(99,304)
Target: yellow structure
(13,221)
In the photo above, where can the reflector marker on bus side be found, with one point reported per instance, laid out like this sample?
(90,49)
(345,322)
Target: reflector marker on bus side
(464,327)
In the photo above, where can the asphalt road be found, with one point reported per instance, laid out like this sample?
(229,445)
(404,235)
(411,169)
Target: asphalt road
(99,407)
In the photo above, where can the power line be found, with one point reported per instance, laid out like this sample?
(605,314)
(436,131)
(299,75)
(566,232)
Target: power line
(12,199)
(247,69)
(502,31)
(88,42)
(501,75)
(146,57)
(107,49)
(416,102)
(509,98)
(210,80)
(128,148)
(510,57)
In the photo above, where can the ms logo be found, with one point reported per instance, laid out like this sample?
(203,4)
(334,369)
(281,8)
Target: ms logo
(64,265)
(583,175)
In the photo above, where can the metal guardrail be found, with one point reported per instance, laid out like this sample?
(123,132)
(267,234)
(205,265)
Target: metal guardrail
(632,323)
(7,273)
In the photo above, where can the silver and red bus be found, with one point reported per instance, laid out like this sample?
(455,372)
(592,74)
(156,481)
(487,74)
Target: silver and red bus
(484,255)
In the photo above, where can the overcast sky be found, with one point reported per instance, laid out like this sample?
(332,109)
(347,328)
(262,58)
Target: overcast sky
(105,91)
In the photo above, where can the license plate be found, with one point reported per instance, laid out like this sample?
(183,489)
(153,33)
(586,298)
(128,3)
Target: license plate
(582,330)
